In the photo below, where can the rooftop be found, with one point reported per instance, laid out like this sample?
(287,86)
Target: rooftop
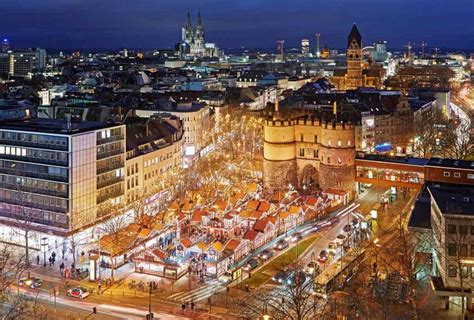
(54,126)
(453,198)
(386,158)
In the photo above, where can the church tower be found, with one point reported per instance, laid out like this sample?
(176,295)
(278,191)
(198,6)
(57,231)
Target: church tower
(199,36)
(187,31)
(354,77)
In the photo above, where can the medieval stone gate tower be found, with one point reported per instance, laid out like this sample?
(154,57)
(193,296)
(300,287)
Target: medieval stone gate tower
(308,152)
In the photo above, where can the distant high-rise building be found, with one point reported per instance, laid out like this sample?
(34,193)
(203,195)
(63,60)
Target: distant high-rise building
(5,45)
(305,47)
(380,51)
(318,51)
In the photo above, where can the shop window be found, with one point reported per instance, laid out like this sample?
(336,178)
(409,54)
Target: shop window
(457,175)
(446,174)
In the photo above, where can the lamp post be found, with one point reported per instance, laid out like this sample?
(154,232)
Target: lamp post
(44,248)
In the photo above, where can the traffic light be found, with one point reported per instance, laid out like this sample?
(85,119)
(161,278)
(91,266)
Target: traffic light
(94,310)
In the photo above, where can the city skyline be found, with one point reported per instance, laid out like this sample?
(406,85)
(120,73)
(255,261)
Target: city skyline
(66,24)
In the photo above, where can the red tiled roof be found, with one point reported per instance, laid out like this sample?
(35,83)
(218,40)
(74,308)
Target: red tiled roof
(264,206)
(250,235)
(260,225)
(232,244)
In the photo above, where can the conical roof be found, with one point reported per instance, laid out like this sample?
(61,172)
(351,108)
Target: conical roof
(354,35)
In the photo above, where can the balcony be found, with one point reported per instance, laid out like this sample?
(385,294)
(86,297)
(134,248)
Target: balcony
(111,166)
(106,182)
(108,154)
(104,196)
(110,139)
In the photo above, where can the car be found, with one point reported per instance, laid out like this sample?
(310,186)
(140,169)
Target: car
(311,268)
(323,256)
(265,254)
(225,278)
(332,247)
(296,237)
(32,282)
(295,278)
(281,276)
(281,244)
(78,292)
(340,239)
(347,228)
(355,223)
(251,264)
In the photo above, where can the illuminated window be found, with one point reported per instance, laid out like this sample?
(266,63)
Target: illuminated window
(457,175)
(446,174)
(339,143)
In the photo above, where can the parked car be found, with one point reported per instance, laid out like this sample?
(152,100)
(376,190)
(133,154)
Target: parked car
(340,239)
(296,237)
(78,292)
(225,278)
(355,223)
(32,282)
(251,264)
(281,276)
(323,256)
(332,247)
(311,268)
(265,254)
(281,244)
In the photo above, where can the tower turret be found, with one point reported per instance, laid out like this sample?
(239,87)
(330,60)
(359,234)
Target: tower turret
(354,59)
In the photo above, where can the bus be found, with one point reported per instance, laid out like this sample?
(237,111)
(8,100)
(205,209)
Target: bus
(339,272)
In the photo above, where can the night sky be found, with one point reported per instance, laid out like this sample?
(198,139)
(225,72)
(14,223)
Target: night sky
(234,23)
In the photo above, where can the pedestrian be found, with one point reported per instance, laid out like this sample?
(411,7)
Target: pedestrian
(183,306)
(53,255)
(50,261)
(37,259)
(99,288)
(192,305)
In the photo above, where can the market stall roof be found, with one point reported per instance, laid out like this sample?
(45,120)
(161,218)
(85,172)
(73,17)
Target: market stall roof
(202,246)
(144,233)
(277,197)
(263,206)
(218,246)
(221,205)
(294,209)
(253,205)
(252,187)
(250,235)
(256,215)
(311,201)
(245,214)
(232,244)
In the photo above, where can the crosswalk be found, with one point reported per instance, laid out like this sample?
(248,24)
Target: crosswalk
(199,293)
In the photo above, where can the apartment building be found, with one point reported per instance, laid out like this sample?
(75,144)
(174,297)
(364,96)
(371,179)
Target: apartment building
(58,176)
(452,222)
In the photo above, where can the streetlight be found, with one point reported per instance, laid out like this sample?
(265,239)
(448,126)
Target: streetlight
(44,248)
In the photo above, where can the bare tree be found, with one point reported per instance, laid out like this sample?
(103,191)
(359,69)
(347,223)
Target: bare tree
(288,301)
